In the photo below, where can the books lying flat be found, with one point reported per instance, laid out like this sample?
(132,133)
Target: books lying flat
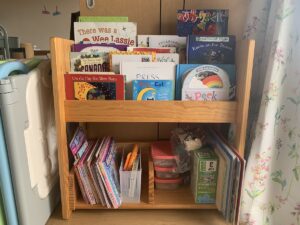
(146,71)
(106,32)
(202,22)
(210,50)
(94,87)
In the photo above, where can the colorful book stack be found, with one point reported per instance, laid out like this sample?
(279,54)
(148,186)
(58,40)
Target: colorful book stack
(96,170)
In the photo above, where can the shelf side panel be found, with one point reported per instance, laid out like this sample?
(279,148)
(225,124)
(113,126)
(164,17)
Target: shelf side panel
(244,62)
(60,49)
(151,111)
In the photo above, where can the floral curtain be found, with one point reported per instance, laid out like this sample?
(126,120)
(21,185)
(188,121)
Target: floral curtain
(271,192)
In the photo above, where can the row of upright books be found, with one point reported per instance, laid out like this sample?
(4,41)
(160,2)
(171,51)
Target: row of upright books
(110,61)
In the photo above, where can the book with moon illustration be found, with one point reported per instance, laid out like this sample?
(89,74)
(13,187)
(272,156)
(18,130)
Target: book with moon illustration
(105,32)
(94,87)
(89,62)
(210,49)
(205,82)
(153,90)
(97,48)
(202,22)
(146,71)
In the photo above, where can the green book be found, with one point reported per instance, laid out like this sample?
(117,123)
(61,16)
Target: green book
(103,19)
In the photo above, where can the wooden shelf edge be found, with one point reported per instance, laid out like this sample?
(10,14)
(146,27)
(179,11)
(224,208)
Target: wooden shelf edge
(151,111)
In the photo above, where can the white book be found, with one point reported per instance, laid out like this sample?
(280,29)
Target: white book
(156,41)
(116,59)
(167,57)
(146,71)
(106,32)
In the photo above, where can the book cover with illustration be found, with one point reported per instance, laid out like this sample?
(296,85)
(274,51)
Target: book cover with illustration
(94,87)
(103,19)
(87,62)
(210,50)
(150,90)
(146,71)
(202,22)
(205,82)
(105,32)
(115,58)
(97,48)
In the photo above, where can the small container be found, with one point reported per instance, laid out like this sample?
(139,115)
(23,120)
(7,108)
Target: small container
(166,172)
(168,184)
(163,155)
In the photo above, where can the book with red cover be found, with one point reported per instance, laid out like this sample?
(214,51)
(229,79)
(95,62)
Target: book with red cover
(94,87)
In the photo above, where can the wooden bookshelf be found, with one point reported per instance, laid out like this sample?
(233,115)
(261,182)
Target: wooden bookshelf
(150,111)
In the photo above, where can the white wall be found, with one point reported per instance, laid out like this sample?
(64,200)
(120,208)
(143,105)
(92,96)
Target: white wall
(24,18)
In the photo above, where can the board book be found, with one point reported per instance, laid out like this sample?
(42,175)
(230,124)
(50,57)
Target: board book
(94,87)
(106,32)
(202,22)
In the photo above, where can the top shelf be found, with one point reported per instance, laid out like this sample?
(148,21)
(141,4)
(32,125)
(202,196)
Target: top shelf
(151,111)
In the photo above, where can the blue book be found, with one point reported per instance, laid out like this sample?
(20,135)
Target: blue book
(210,50)
(213,78)
(202,22)
(153,90)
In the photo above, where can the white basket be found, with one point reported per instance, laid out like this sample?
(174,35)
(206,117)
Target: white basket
(130,182)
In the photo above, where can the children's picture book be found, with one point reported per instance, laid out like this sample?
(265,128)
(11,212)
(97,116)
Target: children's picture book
(89,62)
(150,90)
(210,50)
(170,41)
(115,58)
(202,22)
(156,50)
(205,82)
(106,32)
(103,19)
(94,87)
(146,71)
(98,48)
(167,57)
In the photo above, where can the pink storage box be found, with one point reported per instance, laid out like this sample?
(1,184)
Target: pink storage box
(168,184)
(163,155)
(166,172)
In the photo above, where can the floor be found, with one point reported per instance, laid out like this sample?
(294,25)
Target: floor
(138,217)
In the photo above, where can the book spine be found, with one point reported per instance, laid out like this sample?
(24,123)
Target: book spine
(177,83)
(102,186)
(108,186)
(96,185)
(85,198)
(87,186)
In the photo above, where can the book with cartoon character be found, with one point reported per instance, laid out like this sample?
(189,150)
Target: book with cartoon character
(202,22)
(210,50)
(89,62)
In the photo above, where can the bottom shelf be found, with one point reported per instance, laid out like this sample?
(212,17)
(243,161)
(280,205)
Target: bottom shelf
(164,199)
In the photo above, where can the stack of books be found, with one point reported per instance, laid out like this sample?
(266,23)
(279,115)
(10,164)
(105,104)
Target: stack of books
(96,170)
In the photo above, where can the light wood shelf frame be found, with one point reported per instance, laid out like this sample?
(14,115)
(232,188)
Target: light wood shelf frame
(132,111)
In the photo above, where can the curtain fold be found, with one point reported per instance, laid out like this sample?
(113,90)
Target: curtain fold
(271,192)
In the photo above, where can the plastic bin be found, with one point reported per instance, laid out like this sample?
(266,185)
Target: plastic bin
(166,172)
(27,112)
(163,155)
(168,184)
(130,182)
